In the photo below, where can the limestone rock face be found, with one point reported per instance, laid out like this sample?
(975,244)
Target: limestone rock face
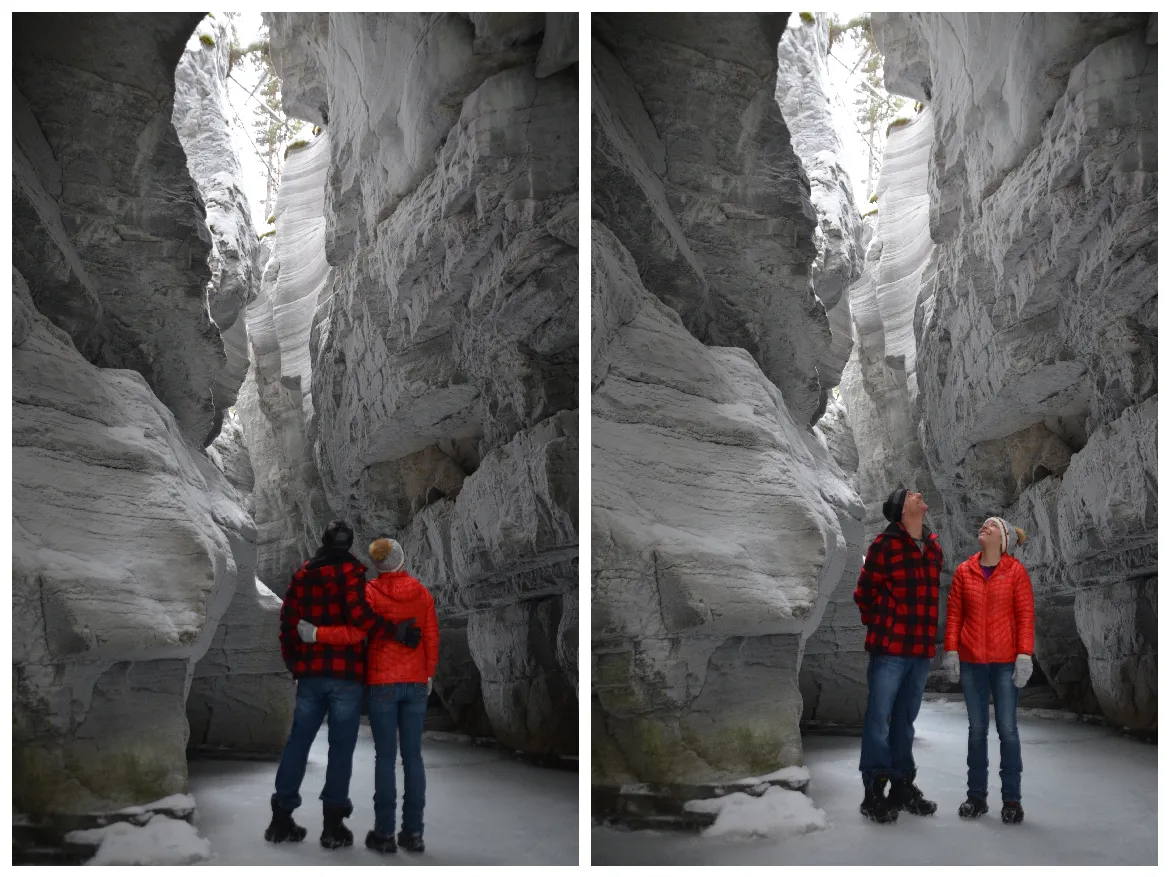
(722,526)
(693,170)
(427,333)
(720,530)
(202,121)
(802,90)
(1035,333)
(128,545)
(242,696)
(109,229)
(229,453)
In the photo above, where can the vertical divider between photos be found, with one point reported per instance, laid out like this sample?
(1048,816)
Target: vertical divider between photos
(584,492)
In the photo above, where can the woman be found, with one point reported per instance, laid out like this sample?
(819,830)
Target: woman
(398,683)
(989,641)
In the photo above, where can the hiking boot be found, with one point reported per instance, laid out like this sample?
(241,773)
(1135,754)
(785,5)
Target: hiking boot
(412,843)
(1012,813)
(381,843)
(876,805)
(282,828)
(904,795)
(973,807)
(335,834)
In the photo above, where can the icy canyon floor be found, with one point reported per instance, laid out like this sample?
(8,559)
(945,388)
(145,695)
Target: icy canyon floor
(1090,798)
(483,808)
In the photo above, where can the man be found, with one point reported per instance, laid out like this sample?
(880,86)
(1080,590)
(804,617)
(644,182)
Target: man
(898,597)
(327,589)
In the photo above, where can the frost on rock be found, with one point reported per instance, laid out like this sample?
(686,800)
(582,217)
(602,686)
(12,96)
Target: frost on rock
(778,812)
(1027,345)
(161,841)
(414,348)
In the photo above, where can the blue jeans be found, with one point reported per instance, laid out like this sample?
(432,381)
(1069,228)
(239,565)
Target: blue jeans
(397,712)
(317,696)
(981,681)
(896,685)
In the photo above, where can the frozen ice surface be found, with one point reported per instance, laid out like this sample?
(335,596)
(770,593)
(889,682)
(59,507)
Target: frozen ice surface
(1090,798)
(483,808)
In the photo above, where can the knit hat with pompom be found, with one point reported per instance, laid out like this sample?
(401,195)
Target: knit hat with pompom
(1010,537)
(387,555)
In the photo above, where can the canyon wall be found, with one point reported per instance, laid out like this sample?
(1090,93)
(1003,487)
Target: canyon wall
(721,525)
(129,544)
(113,240)
(832,673)
(415,343)
(1031,378)
(242,696)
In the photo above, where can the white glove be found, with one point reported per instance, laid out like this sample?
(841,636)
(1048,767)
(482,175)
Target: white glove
(1023,671)
(950,666)
(307,632)
(429,687)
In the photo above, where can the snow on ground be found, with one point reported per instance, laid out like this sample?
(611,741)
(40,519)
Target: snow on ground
(1090,798)
(483,808)
(161,841)
(779,812)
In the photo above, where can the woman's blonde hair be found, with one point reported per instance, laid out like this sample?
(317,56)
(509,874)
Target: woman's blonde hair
(1021,536)
(380,549)
(387,555)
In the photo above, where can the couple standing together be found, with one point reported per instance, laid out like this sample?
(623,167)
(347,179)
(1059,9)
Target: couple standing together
(989,641)
(344,640)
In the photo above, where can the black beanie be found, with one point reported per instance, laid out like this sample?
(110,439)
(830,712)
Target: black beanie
(338,535)
(893,505)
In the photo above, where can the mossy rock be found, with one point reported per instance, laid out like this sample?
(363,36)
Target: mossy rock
(873,198)
(272,219)
(207,40)
(296,144)
(808,17)
(897,123)
(267,234)
(871,212)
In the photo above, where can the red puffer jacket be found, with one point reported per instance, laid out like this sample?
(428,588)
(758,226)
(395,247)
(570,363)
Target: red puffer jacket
(990,621)
(396,596)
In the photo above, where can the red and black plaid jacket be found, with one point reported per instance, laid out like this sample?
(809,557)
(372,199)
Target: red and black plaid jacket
(898,594)
(326,590)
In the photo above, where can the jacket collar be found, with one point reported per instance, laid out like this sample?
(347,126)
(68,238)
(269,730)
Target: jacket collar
(333,557)
(896,529)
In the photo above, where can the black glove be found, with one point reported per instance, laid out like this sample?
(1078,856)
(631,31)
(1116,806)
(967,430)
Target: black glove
(407,633)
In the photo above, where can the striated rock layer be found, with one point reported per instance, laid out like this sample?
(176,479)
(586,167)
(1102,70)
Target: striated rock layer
(422,334)
(288,500)
(722,525)
(1035,335)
